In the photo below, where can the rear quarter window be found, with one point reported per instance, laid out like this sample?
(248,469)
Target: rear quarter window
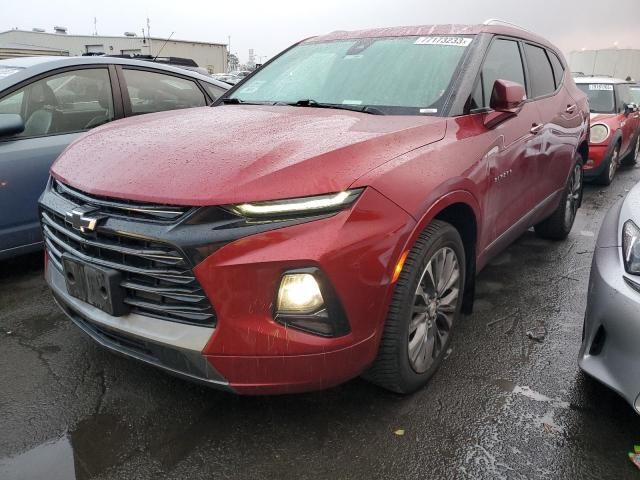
(214,91)
(558,69)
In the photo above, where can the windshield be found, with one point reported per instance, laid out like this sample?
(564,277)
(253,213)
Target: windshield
(397,75)
(6,71)
(601,98)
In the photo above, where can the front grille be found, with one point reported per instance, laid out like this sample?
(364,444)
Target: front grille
(121,208)
(157,277)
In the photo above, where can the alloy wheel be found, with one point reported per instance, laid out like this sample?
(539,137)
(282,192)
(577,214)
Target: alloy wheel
(434,309)
(573,196)
(613,162)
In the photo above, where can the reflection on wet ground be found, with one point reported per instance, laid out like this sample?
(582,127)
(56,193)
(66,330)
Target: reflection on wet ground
(506,404)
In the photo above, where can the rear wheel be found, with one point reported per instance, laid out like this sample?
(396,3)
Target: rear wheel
(559,224)
(424,309)
(632,157)
(609,172)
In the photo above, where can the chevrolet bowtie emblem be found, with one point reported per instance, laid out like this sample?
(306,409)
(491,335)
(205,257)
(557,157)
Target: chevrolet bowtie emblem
(79,219)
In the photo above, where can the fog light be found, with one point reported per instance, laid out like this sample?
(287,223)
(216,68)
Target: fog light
(299,293)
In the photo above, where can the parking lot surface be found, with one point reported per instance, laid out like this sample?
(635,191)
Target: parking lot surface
(504,405)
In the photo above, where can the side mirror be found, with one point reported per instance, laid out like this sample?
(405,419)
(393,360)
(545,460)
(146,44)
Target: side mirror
(507,99)
(10,124)
(507,96)
(630,108)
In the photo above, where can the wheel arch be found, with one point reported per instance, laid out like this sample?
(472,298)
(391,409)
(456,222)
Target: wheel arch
(583,150)
(461,210)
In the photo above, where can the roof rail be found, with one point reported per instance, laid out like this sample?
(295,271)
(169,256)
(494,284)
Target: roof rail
(497,21)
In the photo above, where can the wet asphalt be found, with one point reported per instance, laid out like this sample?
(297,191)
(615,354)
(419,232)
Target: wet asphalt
(502,406)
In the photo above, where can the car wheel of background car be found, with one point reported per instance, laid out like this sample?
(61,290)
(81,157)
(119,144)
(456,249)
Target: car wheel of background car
(425,306)
(632,158)
(609,172)
(559,224)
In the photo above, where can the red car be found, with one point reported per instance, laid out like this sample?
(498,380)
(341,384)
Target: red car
(327,218)
(615,127)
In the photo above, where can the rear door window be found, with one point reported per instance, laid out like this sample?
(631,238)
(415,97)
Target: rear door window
(503,62)
(157,92)
(542,82)
(67,102)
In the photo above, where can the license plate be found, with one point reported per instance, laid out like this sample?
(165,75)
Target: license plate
(95,285)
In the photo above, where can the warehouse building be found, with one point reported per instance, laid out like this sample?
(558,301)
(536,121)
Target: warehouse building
(20,43)
(618,63)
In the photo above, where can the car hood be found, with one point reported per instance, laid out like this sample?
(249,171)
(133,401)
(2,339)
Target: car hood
(238,153)
(603,117)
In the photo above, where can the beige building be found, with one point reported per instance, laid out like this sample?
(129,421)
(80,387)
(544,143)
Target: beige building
(619,63)
(13,43)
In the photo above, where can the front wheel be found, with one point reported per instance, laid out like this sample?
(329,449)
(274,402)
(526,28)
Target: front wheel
(609,172)
(559,224)
(424,308)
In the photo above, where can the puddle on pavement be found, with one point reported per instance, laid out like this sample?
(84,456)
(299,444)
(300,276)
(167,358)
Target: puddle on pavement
(96,444)
(52,460)
(529,393)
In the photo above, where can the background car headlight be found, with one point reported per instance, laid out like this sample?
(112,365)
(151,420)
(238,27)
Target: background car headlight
(631,247)
(296,207)
(599,133)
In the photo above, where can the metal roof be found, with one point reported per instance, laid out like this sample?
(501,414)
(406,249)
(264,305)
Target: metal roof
(119,37)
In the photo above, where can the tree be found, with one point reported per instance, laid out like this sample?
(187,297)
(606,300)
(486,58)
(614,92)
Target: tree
(232,62)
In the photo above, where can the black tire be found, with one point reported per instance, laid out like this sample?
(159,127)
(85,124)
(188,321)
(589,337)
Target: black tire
(610,169)
(632,156)
(559,224)
(392,368)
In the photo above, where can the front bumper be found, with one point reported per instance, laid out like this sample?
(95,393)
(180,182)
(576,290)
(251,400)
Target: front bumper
(599,154)
(248,352)
(173,347)
(610,349)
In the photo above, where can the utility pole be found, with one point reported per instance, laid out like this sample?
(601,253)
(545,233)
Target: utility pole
(95,26)
(149,35)
(228,69)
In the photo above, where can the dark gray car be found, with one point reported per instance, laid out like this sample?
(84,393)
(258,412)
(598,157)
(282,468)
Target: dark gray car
(47,102)
(611,335)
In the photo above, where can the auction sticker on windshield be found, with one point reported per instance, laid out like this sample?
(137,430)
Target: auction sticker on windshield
(601,87)
(448,41)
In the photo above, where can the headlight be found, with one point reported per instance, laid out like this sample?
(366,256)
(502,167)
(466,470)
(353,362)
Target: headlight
(631,247)
(297,207)
(599,133)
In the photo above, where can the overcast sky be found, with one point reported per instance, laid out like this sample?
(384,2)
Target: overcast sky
(270,26)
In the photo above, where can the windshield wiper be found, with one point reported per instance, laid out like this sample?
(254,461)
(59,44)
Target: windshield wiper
(308,102)
(237,101)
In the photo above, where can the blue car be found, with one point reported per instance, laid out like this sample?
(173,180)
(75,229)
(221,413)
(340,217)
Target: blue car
(48,102)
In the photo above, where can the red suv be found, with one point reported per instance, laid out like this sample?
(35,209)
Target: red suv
(615,127)
(327,218)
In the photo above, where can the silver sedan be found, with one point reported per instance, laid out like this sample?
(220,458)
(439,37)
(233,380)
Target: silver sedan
(610,349)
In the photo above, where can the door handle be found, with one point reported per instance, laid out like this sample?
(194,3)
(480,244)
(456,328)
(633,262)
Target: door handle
(537,128)
(571,108)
